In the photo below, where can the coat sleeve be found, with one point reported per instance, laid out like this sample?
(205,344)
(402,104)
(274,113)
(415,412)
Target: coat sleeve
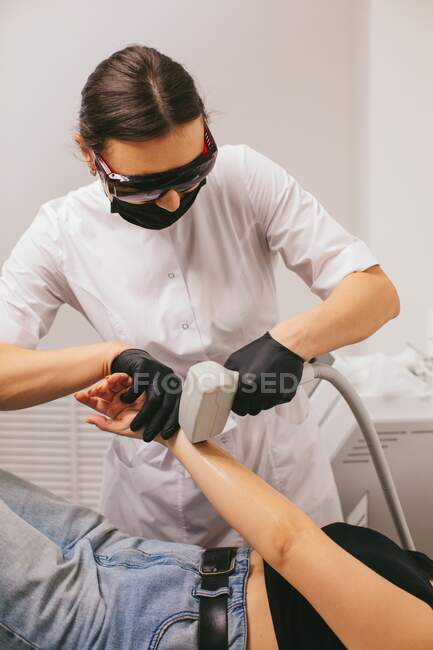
(311,242)
(31,284)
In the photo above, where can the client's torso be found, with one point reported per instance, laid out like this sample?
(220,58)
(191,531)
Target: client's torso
(260,627)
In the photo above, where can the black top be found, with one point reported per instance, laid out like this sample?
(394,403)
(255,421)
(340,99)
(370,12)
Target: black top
(297,624)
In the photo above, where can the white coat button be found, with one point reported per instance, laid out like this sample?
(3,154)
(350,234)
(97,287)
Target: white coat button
(171,275)
(185,326)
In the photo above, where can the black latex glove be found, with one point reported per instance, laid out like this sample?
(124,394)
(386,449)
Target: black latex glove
(269,374)
(163,388)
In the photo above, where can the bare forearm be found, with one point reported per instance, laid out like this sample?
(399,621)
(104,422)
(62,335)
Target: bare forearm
(358,306)
(266,519)
(29,377)
(362,608)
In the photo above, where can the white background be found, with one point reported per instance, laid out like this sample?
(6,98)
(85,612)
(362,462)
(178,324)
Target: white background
(338,92)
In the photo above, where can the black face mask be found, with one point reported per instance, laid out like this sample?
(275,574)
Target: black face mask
(152,216)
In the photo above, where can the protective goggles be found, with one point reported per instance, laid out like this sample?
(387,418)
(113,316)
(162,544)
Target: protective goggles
(149,187)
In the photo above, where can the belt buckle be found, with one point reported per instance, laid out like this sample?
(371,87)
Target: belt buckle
(211,570)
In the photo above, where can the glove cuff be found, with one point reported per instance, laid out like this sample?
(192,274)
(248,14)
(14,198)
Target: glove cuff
(125,358)
(294,354)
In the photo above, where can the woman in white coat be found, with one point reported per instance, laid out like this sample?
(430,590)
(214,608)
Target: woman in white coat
(170,255)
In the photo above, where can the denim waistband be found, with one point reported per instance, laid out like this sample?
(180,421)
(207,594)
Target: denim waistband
(155,599)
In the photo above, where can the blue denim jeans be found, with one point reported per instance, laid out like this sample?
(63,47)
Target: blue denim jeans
(69,579)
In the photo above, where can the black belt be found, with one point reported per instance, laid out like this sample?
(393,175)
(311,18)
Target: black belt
(216,566)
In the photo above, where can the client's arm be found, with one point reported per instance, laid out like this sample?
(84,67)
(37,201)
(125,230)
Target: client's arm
(365,611)
(29,377)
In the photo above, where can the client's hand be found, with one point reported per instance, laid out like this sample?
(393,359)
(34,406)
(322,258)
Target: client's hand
(104,398)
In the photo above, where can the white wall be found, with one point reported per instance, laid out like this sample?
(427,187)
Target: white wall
(288,77)
(401,161)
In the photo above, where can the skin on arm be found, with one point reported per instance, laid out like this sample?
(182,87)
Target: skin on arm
(358,306)
(366,611)
(115,417)
(201,458)
(29,377)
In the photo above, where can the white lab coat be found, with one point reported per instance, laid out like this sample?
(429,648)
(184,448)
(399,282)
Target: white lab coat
(197,290)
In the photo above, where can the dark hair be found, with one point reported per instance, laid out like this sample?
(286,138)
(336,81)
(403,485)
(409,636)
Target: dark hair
(136,94)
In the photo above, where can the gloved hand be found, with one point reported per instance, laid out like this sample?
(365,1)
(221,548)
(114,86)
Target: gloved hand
(160,411)
(269,374)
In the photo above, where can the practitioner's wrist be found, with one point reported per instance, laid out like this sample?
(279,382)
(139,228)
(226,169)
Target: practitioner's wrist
(293,334)
(111,350)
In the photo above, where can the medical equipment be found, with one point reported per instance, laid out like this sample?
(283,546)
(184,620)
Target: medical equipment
(405,428)
(208,394)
